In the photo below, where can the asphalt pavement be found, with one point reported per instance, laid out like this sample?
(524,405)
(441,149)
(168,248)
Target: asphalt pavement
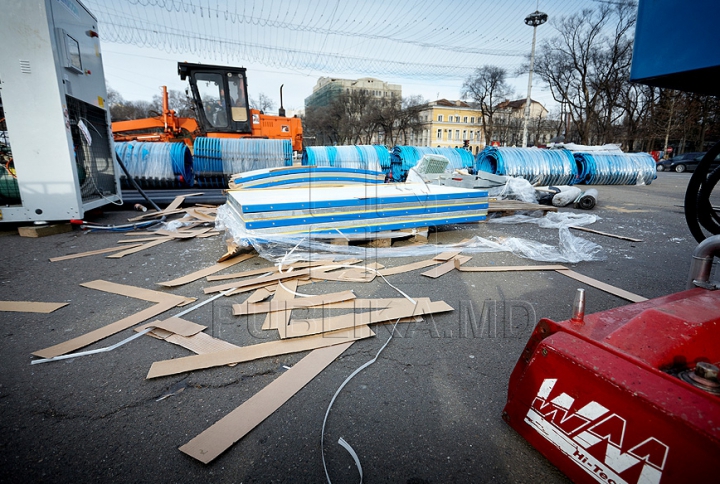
(427,411)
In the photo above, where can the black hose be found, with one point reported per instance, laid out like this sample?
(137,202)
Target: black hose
(698,209)
(134,183)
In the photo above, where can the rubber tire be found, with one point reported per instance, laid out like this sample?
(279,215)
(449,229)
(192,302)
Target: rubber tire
(660,168)
(679,168)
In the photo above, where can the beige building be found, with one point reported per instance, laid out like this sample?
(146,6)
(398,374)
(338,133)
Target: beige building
(329,88)
(509,120)
(450,124)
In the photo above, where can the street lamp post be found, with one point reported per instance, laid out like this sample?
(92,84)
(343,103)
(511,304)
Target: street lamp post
(534,20)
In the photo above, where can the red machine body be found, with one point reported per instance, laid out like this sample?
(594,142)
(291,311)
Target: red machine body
(604,401)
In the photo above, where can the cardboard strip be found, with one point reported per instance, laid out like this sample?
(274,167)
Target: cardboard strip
(408,267)
(139,248)
(105,331)
(260,295)
(446,267)
(351,304)
(446,256)
(621,237)
(179,326)
(621,293)
(225,432)
(253,352)
(201,343)
(548,267)
(271,269)
(133,291)
(92,252)
(282,305)
(139,239)
(184,233)
(406,309)
(259,281)
(284,293)
(30,307)
(194,276)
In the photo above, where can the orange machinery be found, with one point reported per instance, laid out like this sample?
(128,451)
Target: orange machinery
(221,108)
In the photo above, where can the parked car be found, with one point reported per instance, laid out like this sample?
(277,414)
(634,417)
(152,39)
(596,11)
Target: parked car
(684,162)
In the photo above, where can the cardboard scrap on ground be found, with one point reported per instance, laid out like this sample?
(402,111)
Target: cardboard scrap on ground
(219,437)
(243,354)
(351,304)
(30,307)
(547,267)
(194,276)
(306,327)
(446,267)
(93,252)
(616,291)
(283,305)
(163,302)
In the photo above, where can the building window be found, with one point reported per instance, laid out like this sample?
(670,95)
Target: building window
(457,119)
(465,119)
(439,134)
(440,117)
(471,135)
(472,120)
(464,134)
(457,134)
(449,134)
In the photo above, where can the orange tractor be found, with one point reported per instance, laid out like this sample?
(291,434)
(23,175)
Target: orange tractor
(221,108)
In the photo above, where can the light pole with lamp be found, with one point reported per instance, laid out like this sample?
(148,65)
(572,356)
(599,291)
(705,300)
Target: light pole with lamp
(534,20)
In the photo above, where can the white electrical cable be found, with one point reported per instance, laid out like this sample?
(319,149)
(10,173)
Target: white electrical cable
(327,412)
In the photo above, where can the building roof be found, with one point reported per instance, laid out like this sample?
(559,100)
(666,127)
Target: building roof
(520,103)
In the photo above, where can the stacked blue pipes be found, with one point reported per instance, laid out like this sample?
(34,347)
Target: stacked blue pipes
(609,168)
(564,167)
(360,157)
(538,166)
(157,165)
(216,159)
(405,157)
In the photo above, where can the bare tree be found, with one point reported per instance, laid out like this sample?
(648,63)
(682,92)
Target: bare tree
(178,101)
(486,87)
(262,103)
(586,66)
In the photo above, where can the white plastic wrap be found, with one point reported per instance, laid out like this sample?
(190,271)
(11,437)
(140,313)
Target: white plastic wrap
(571,249)
(566,196)
(515,189)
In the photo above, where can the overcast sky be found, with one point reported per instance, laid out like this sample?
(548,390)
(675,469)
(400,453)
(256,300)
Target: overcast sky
(428,47)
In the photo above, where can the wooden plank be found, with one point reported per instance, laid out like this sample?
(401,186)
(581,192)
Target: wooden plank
(235,425)
(30,306)
(446,267)
(621,237)
(243,354)
(92,252)
(44,230)
(194,276)
(621,293)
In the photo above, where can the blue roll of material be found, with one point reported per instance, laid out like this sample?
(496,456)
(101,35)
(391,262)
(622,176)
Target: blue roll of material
(360,157)
(603,168)
(216,159)
(403,158)
(154,163)
(538,166)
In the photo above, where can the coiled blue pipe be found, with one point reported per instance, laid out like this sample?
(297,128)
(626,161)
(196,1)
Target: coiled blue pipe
(599,168)
(361,157)
(157,163)
(538,166)
(218,158)
(405,157)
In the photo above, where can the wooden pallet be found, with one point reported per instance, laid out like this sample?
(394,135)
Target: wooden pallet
(510,207)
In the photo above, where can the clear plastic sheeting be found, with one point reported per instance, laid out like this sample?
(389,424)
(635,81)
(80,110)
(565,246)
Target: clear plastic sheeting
(361,157)
(288,249)
(615,168)
(538,166)
(403,158)
(217,158)
(515,189)
(153,163)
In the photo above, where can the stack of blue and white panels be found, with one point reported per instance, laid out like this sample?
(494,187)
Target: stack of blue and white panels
(354,209)
(304,176)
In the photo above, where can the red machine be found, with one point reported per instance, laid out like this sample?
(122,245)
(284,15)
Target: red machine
(629,395)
